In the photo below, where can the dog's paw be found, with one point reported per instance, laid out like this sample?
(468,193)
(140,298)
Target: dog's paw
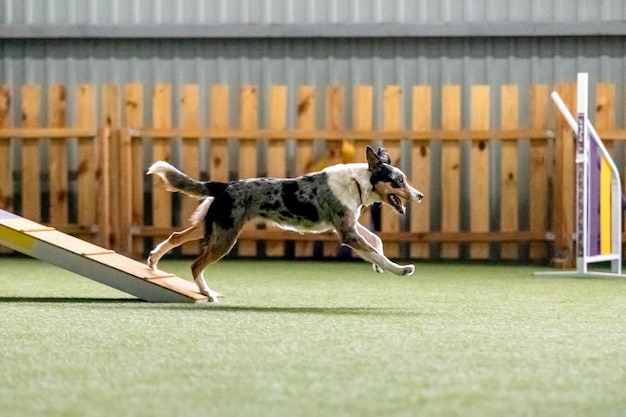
(377,269)
(152,264)
(214,296)
(408,270)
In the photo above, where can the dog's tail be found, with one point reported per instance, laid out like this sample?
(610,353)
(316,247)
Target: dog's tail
(178,181)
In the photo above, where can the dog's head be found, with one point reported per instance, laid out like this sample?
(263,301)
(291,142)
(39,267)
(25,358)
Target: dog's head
(390,182)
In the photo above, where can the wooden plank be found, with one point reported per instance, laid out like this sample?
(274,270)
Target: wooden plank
(103,214)
(362,119)
(219,116)
(125,169)
(420,175)
(182,286)
(58,158)
(479,169)
(277,150)
(133,117)
(109,151)
(392,120)
(564,185)
(31,176)
(450,168)
(334,108)
(509,182)
(162,119)
(329,135)
(22,224)
(304,149)
(6,165)
(67,242)
(111,270)
(45,132)
(190,119)
(87,154)
(248,153)
(538,171)
(605,110)
(127,265)
(97,263)
(335,122)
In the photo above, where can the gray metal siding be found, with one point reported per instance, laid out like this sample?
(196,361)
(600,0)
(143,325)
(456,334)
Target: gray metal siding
(306,11)
(320,62)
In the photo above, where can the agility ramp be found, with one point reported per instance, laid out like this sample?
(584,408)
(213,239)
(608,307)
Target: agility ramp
(91,261)
(598,194)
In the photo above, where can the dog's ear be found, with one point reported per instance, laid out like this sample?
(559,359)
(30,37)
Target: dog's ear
(373,160)
(383,155)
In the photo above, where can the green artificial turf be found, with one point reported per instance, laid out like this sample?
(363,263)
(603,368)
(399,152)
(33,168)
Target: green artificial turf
(315,339)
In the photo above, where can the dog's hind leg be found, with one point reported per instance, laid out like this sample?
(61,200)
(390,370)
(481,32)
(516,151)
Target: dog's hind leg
(176,239)
(219,244)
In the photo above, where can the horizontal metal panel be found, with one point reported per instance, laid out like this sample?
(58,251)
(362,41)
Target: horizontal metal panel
(334,30)
(185,12)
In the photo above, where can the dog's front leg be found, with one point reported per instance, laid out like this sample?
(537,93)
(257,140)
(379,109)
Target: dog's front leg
(373,240)
(369,253)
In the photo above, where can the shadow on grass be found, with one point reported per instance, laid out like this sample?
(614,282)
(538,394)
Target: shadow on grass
(78,300)
(331,311)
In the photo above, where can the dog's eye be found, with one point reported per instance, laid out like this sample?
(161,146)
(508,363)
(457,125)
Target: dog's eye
(400,180)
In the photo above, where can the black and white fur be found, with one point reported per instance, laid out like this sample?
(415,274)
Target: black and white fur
(327,200)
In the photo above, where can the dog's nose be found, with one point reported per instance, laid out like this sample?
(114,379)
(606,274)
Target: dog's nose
(420,195)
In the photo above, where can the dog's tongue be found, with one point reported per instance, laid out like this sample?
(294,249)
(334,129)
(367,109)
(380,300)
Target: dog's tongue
(396,202)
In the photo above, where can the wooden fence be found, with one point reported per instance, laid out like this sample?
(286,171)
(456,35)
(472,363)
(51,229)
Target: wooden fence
(496,187)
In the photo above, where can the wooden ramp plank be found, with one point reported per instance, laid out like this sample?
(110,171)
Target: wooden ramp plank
(181,286)
(130,266)
(24,225)
(67,242)
(95,262)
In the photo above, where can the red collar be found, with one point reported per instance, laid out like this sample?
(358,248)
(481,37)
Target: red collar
(358,187)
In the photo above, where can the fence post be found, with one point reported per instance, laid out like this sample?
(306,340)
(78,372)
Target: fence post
(125,204)
(480,119)
(564,186)
(190,155)
(133,112)
(31,174)
(103,191)
(57,157)
(6,166)
(421,167)
(87,157)
(450,168)
(540,152)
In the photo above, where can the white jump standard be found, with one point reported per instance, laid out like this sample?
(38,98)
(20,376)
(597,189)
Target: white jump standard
(598,194)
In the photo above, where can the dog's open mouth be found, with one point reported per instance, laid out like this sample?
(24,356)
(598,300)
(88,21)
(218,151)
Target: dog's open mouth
(396,203)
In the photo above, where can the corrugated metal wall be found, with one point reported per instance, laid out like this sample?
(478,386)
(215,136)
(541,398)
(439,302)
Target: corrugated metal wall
(315,60)
(320,62)
(306,11)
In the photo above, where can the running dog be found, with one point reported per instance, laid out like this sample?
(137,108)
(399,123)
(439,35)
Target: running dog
(327,200)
